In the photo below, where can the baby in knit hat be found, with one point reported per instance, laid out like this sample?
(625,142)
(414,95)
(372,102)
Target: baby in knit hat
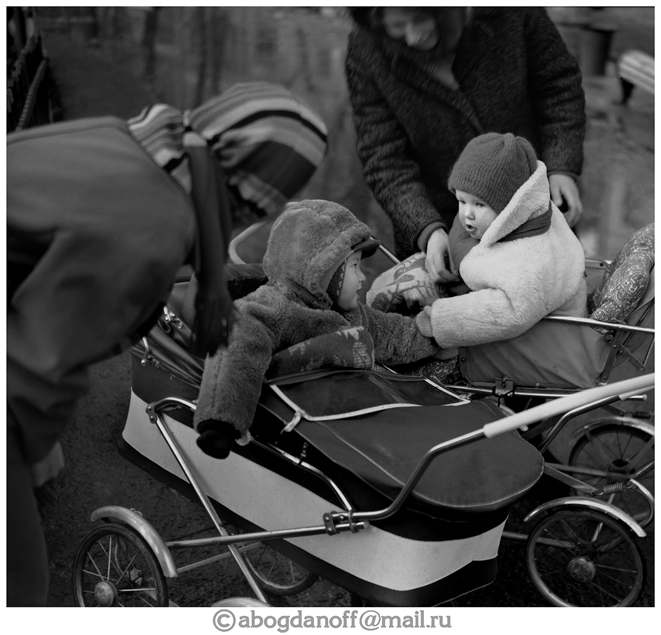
(509,244)
(309,315)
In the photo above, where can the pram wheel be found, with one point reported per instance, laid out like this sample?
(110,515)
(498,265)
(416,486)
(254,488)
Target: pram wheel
(276,573)
(114,566)
(618,450)
(584,557)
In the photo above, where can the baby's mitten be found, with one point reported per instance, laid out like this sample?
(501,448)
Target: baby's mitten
(216,438)
(423,321)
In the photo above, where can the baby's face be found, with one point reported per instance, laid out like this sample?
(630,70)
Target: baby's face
(352,283)
(474,214)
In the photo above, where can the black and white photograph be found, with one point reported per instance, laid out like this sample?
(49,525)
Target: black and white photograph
(330,317)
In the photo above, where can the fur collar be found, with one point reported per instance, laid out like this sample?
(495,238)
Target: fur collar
(529,201)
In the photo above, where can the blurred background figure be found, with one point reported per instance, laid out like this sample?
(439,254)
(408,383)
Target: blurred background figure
(425,81)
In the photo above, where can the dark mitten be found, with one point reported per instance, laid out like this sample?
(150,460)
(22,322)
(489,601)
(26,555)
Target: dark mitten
(216,438)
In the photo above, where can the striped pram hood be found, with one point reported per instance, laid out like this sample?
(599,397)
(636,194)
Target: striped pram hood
(268,141)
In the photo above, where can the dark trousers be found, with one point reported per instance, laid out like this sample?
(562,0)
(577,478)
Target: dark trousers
(27,562)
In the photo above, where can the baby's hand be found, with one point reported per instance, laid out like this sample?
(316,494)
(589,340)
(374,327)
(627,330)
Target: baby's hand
(216,438)
(423,322)
(458,289)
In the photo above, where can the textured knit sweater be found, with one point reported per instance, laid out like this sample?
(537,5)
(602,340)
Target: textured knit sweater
(515,75)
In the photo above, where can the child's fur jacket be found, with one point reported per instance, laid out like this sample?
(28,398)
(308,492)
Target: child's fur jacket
(307,244)
(515,283)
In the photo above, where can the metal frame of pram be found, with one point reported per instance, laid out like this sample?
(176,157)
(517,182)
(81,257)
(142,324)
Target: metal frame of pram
(354,521)
(618,336)
(351,520)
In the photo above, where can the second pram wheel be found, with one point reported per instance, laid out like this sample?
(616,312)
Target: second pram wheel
(584,557)
(276,573)
(619,450)
(114,566)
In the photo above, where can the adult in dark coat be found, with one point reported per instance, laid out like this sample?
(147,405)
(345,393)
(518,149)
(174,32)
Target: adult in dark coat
(101,215)
(425,81)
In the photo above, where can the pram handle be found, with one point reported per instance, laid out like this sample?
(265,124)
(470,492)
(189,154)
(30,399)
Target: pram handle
(564,404)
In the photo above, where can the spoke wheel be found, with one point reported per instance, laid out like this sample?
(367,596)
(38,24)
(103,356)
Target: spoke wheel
(619,450)
(276,573)
(114,566)
(584,557)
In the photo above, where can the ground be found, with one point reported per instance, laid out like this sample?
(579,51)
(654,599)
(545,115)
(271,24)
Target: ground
(618,193)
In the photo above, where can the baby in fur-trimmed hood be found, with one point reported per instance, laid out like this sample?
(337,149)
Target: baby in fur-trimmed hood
(510,245)
(307,316)
(307,245)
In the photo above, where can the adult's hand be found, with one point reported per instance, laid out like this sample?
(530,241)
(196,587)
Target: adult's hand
(564,189)
(436,257)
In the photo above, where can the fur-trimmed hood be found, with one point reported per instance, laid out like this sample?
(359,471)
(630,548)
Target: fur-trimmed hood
(529,201)
(308,242)
(515,283)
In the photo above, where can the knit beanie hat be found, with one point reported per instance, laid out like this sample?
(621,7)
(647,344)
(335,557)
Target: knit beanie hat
(493,167)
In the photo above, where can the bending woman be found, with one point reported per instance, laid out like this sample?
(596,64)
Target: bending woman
(101,215)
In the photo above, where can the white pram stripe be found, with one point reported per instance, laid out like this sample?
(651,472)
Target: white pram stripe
(374,555)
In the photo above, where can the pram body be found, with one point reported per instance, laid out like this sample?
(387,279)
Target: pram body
(431,545)
(440,546)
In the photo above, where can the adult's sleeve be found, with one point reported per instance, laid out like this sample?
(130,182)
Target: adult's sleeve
(557,94)
(385,153)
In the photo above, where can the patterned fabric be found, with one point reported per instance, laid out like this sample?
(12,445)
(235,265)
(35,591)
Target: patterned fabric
(268,141)
(347,348)
(625,280)
(404,288)
(443,370)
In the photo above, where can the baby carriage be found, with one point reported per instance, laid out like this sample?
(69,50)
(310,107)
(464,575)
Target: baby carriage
(360,496)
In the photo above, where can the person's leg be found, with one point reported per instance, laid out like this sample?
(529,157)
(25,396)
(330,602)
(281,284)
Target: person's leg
(27,562)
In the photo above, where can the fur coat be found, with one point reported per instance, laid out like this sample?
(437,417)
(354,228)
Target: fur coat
(288,324)
(515,75)
(515,283)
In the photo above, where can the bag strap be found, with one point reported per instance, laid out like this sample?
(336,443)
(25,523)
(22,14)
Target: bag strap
(214,308)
